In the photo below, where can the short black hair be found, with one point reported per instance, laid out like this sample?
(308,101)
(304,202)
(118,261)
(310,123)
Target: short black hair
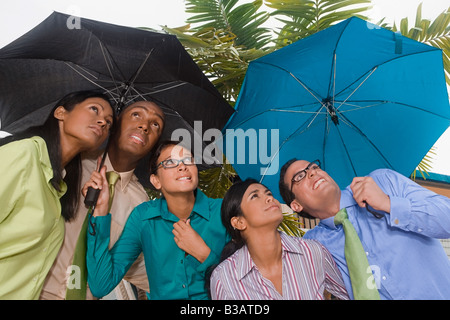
(153,162)
(285,190)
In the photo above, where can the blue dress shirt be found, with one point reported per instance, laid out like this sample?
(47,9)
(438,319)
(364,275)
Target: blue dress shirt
(171,273)
(405,255)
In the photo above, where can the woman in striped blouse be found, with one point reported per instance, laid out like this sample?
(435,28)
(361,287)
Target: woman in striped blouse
(262,263)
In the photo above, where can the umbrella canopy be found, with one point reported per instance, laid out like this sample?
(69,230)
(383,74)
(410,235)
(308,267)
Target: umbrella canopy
(355,96)
(65,54)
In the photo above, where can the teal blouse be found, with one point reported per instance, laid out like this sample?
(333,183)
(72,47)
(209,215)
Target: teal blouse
(171,273)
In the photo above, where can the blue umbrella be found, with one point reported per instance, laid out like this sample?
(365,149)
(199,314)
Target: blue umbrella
(355,96)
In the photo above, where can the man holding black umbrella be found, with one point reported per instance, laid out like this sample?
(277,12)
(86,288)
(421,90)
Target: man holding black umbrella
(387,246)
(140,126)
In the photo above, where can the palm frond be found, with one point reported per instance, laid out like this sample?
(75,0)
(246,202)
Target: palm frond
(216,53)
(435,33)
(425,165)
(302,18)
(291,226)
(215,182)
(245,21)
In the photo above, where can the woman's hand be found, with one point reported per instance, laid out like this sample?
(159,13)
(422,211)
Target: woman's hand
(188,240)
(98,181)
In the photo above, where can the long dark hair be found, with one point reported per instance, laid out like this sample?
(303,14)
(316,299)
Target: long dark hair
(49,131)
(231,207)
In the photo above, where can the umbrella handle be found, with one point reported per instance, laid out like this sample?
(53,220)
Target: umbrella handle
(91,197)
(92,194)
(375,214)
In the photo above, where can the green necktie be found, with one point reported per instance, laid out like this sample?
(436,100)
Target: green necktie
(112,178)
(357,263)
(77,290)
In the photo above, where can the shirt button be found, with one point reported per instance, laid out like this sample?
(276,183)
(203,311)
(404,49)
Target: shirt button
(384,278)
(35,279)
(184,286)
(396,221)
(367,253)
(420,230)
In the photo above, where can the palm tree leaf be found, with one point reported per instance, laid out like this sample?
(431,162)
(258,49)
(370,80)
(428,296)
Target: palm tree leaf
(291,226)
(215,182)
(245,21)
(307,17)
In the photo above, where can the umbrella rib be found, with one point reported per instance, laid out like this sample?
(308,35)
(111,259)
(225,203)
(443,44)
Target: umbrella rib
(306,88)
(346,150)
(296,132)
(352,125)
(178,84)
(292,75)
(381,102)
(334,78)
(321,103)
(107,64)
(388,61)
(129,85)
(90,80)
(280,110)
(357,107)
(359,86)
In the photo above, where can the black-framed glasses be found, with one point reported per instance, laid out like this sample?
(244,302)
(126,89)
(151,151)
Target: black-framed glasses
(173,163)
(300,175)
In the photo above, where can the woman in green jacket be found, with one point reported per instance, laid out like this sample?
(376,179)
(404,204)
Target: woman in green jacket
(40,171)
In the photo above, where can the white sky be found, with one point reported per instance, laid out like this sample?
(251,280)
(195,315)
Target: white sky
(19,16)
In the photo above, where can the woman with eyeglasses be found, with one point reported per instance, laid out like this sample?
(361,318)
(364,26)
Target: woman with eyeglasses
(181,234)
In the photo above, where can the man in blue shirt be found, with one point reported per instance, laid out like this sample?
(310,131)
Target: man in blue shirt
(402,246)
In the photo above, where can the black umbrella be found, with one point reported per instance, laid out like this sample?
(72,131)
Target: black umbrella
(58,57)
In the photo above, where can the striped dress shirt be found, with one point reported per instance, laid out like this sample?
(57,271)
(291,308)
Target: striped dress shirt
(308,269)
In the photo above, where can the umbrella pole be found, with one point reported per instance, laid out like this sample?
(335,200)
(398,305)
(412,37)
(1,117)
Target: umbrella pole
(92,194)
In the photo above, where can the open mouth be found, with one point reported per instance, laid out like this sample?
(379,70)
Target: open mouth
(184,179)
(138,139)
(318,183)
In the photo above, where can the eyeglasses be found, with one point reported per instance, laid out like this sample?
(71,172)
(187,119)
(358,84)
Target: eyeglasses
(173,163)
(302,173)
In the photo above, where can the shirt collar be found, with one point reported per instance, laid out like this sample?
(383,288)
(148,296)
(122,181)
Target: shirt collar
(125,177)
(244,261)
(201,207)
(347,201)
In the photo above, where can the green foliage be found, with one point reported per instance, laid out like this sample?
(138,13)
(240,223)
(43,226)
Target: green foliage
(244,20)
(290,225)
(302,18)
(425,165)
(434,33)
(216,181)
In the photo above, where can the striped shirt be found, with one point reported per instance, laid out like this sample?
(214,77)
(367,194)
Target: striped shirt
(308,269)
